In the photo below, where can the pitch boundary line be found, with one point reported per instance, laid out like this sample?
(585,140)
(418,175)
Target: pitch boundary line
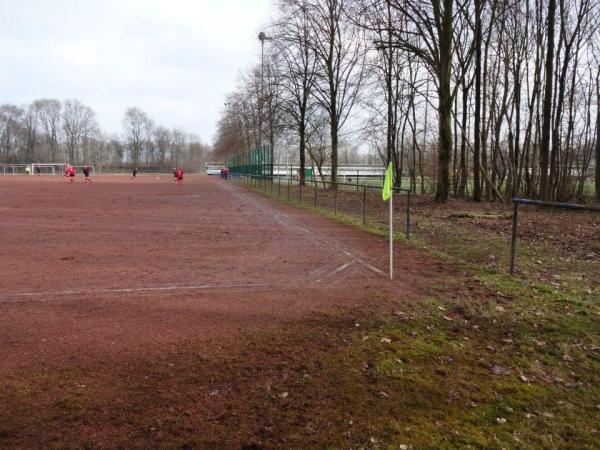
(174,287)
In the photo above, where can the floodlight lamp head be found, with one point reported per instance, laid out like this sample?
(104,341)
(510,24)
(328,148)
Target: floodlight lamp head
(262,37)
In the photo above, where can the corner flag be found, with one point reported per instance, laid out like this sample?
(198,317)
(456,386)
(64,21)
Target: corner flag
(387,184)
(387,194)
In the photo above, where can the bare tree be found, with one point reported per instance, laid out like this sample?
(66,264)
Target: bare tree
(428,36)
(49,117)
(297,67)
(78,122)
(11,117)
(340,55)
(137,126)
(30,129)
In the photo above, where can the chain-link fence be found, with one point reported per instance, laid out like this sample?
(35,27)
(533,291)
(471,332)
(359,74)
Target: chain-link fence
(361,202)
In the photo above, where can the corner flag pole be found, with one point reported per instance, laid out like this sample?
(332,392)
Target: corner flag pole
(392,234)
(387,193)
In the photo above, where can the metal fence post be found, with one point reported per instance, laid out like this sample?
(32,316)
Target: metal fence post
(289,181)
(316,186)
(279,186)
(513,247)
(364,221)
(300,191)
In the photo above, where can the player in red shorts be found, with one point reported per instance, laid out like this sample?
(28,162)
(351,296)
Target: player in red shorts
(72,172)
(179,176)
(86,174)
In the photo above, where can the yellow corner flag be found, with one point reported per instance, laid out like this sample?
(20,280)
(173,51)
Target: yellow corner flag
(387,184)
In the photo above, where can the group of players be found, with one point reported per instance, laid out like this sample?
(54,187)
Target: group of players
(71,171)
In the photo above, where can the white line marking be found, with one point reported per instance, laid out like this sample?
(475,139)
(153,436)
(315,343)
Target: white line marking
(345,266)
(375,269)
(132,290)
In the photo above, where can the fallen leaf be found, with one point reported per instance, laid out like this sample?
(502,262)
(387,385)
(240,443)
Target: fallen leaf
(499,370)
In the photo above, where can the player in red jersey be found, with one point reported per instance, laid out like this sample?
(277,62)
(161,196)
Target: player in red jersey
(179,176)
(72,172)
(86,174)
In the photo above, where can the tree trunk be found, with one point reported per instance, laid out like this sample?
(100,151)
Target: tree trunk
(598,138)
(463,146)
(445,105)
(477,118)
(334,148)
(302,132)
(547,107)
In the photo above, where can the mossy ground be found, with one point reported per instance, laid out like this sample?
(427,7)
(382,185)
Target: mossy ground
(486,360)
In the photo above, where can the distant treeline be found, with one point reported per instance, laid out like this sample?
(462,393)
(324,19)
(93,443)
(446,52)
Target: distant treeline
(48,130)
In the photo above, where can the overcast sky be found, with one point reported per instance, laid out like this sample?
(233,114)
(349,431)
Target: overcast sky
(175,59)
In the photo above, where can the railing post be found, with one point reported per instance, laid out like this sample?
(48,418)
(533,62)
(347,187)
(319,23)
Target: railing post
(316,186)
(513,248)
(289,181)
(364,211)
(300,191)
(278,186)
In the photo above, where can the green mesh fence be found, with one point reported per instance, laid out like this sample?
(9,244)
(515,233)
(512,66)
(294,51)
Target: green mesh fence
(255,162)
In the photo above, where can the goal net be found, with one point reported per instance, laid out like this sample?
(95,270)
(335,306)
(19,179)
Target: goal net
(38,169)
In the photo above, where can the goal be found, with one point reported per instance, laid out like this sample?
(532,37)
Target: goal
(38,169)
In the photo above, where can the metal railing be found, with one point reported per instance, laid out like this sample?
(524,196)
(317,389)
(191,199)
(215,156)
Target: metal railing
(351,199)
(515,220)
